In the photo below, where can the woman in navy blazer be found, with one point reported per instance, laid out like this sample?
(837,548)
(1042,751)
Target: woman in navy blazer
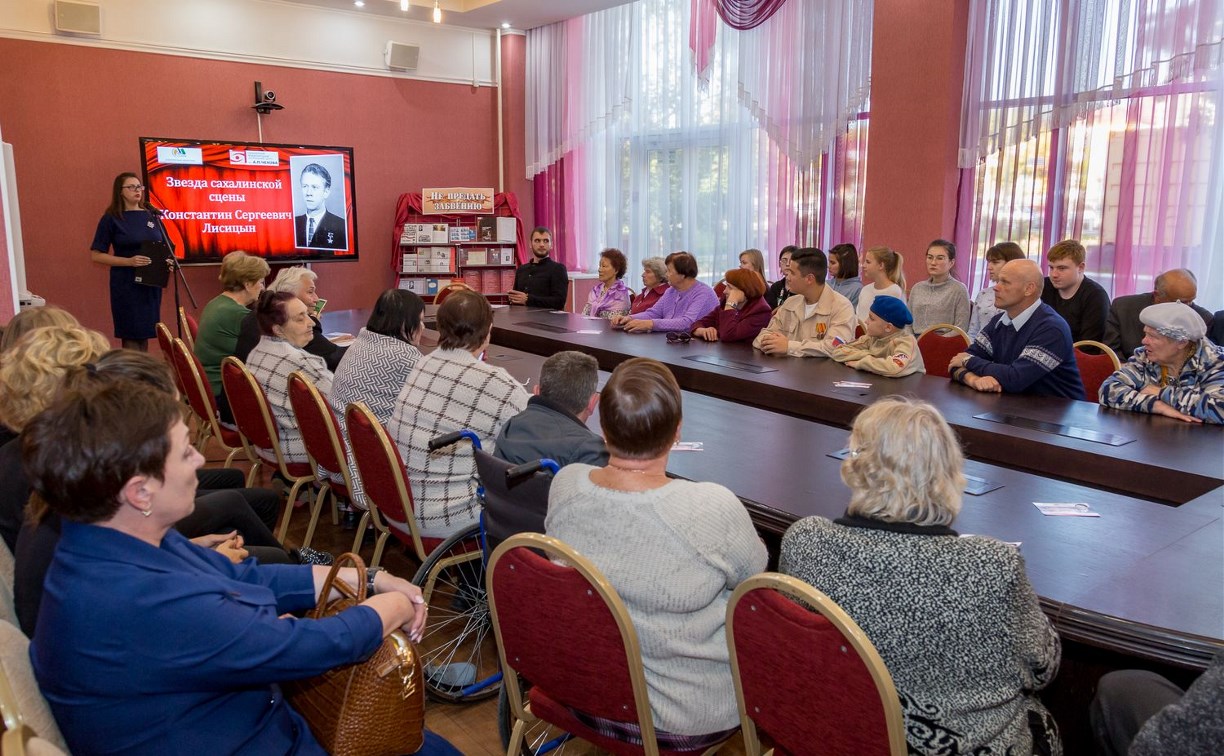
(147,643)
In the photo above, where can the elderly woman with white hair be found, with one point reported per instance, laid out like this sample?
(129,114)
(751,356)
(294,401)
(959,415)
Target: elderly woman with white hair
(301,282)
(1177,372)
(954,618)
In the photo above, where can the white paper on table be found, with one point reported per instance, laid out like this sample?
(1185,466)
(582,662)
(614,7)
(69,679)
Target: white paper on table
(1066,509)
(588,331)
(851,384)
(688,446)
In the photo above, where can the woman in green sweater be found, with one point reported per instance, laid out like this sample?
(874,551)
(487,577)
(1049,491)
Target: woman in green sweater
(242,279)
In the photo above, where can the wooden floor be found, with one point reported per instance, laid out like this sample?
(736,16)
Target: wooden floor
(472,728)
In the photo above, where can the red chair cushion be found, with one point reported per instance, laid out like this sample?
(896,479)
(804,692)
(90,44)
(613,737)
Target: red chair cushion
(554,713)
(561,637)
(1093,370)
(802,680)
(938,350)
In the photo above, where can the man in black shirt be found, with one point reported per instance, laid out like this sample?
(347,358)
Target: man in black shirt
(540,282)
(1080,301)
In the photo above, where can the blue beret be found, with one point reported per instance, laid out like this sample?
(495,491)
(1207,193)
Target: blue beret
(892,310)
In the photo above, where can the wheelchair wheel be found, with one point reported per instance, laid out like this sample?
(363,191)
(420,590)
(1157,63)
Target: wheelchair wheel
(539,737)
(459,649)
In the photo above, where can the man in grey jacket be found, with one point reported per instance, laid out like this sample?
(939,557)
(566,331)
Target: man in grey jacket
(554,424)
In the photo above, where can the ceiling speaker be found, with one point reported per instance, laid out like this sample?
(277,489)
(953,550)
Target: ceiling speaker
(401,57)
(73,17)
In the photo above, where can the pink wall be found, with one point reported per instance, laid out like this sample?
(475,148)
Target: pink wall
(917,70)
(74,115)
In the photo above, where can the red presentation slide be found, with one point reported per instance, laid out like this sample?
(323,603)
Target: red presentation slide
(286,203)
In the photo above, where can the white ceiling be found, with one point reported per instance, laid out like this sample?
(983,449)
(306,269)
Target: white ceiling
(477,14)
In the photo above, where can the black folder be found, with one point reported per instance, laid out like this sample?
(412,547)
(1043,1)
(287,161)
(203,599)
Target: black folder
(157,272)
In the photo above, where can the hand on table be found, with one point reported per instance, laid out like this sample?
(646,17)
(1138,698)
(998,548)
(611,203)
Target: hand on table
(638,326)
(775,343)
(984,383)
(709,333)
(517,297)
(1168,410)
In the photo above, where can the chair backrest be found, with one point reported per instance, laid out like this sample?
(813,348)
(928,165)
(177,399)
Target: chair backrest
(24,741)
(1096,362)
(21,702)
(859,331)
(720,288)
(511,506)
(165,341)
(195,385)
(384,482)
(562,626)
(190,326)
(939,344)
(449,289)
(805,672)
(249,403)
(320,430)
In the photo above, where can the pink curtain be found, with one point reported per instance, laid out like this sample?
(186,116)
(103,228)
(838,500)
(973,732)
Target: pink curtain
(559,198)
(738,14)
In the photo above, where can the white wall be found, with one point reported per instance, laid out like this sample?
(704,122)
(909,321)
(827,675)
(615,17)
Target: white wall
(270,32)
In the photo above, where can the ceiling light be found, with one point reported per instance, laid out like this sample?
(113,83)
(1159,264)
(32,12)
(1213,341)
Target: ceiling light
(359,3)
(437,14)
(505,24)
(404,5)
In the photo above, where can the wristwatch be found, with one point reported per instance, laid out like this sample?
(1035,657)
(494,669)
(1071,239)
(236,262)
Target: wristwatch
(370,574)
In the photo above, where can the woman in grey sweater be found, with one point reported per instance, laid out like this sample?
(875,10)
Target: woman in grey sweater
(940,298)
(955,619)
(674,550)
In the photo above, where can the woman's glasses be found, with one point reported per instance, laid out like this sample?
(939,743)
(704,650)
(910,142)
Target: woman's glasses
(678,337)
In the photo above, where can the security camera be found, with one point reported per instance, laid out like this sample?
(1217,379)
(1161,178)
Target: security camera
(269,96)
(265,101)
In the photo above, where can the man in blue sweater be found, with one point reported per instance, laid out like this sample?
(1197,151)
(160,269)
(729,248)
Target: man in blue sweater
(1026,349)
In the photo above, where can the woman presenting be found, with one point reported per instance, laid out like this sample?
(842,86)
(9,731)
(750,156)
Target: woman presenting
(127,223)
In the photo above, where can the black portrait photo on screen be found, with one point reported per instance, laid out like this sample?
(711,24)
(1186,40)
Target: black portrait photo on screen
(320,224)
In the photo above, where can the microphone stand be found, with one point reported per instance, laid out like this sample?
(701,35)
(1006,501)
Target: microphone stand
(178,272)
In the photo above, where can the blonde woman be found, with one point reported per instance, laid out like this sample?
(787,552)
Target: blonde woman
(882,276)
(965,654)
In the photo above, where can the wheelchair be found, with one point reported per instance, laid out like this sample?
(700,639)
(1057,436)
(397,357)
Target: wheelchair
(458,649)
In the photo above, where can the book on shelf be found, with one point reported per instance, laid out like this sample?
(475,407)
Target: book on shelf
(496,229)
(505,255)
(507,279)
(424,233)
(462,234)
(476,256)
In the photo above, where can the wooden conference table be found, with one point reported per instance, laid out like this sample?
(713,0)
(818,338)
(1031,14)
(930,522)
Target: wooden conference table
(1143,580)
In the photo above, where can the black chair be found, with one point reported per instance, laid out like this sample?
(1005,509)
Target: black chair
(515,496)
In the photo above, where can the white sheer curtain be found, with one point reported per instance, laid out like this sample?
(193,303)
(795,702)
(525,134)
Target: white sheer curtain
(1100,121)
(660,159)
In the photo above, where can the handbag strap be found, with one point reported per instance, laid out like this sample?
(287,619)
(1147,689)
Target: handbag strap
(333,581)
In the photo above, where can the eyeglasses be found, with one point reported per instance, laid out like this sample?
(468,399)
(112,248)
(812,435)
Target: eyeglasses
(678,337)
(137,187)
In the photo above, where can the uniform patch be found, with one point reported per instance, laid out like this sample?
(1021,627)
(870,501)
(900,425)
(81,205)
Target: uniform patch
(900,359)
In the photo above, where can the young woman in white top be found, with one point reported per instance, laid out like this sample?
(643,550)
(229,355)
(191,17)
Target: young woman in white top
(984,305)
(882,275)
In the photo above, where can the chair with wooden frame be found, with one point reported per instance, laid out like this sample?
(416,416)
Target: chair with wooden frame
(190,327)
(21,701)
(1094,366)
(23,740)
(939,344)
(449,289)
(450,568)
(325,444)
(561,625)
(197,390)
(805,673)
(259,435)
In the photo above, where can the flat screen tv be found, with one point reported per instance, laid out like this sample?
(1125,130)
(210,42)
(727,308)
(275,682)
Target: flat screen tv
(285,203)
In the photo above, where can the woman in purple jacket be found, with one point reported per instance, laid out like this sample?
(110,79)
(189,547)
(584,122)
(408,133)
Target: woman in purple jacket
(680,306)
(742,314)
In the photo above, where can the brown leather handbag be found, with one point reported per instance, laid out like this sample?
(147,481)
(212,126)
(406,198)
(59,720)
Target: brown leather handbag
(372,708)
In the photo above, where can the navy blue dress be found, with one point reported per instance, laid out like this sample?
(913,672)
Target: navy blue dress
(135,308)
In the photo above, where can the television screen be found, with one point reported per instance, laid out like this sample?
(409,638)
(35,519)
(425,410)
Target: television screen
(285,203)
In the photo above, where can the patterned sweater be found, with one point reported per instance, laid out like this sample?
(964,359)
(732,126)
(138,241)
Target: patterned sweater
(373,370)
(674,554)
(1037,359)
(894,356)
(450,390)
(271,362)
(1198,390)
(954,619)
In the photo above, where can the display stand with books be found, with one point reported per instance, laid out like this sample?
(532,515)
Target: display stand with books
(481,251)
